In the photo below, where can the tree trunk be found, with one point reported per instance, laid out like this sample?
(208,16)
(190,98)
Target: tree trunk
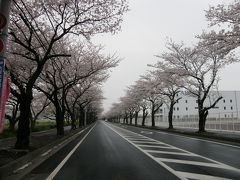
(23,131)
(202,121)
(143,120)
(11,126)
(81,117)
(131,118)
(59,121)
(170,116)
(136,118)
(153,116)
(143,117)
(126,120)
(73,121)
(33,123)
(12,122)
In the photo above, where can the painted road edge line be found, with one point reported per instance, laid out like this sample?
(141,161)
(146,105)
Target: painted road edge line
(162,164)
(182,135)
(209,159)
(57,169)
(187,136)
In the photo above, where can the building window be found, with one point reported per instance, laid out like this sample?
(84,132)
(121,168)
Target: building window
(230,101)
(225,115)
(196,101)
(185,101)
(224,108)
(174,108)
(178,117)
(231,108)
(177,108)
(224,101)
(186,108)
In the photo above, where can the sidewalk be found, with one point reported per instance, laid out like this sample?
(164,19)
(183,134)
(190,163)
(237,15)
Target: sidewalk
(37,140)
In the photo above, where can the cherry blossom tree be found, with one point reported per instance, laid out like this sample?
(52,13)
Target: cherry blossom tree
(35,30)
(224,29)
(90,105)
(39,104)
(60,76)
(12,111)
(199,66)
(171,84)
(151,93)
(115,113)
(94,104)
(129,104)
(72,98)
(136,92)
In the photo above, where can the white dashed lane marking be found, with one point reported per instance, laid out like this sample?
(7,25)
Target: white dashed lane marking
(182,163)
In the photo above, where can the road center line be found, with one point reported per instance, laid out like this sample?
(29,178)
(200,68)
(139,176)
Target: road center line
(57,169)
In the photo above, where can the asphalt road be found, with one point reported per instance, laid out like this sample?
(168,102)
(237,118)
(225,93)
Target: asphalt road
(117,152)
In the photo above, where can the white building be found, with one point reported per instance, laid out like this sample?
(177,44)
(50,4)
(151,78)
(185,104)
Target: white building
(186,107)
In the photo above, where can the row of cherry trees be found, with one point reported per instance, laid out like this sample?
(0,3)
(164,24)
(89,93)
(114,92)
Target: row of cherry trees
(192,69)
(52,63)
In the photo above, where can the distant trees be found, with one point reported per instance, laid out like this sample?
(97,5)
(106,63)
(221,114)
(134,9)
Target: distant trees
(151,94)
(171,86)
(192,69)
(199,67)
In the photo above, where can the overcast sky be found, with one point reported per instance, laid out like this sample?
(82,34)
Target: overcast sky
(144,32)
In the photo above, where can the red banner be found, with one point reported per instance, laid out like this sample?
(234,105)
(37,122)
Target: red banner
(5,94)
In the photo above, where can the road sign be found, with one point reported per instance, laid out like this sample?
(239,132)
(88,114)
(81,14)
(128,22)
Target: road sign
(3,21)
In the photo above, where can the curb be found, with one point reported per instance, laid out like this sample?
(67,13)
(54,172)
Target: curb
(20,167)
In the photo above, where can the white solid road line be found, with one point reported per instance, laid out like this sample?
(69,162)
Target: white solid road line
(146,132)
(139,140)
(185,136)
(167,152)
(217,162)
(56,170)
(200,139)
(149,155)
(211,163)
(154,146)
(22,167)
(148,143)
(193,163)
(201,176)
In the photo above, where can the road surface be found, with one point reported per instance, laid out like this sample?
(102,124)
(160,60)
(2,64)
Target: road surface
(117,152)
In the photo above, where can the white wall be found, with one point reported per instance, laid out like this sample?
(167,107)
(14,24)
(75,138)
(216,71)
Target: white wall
(228,107)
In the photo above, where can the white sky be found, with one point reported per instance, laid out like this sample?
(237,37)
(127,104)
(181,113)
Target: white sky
(144,31)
